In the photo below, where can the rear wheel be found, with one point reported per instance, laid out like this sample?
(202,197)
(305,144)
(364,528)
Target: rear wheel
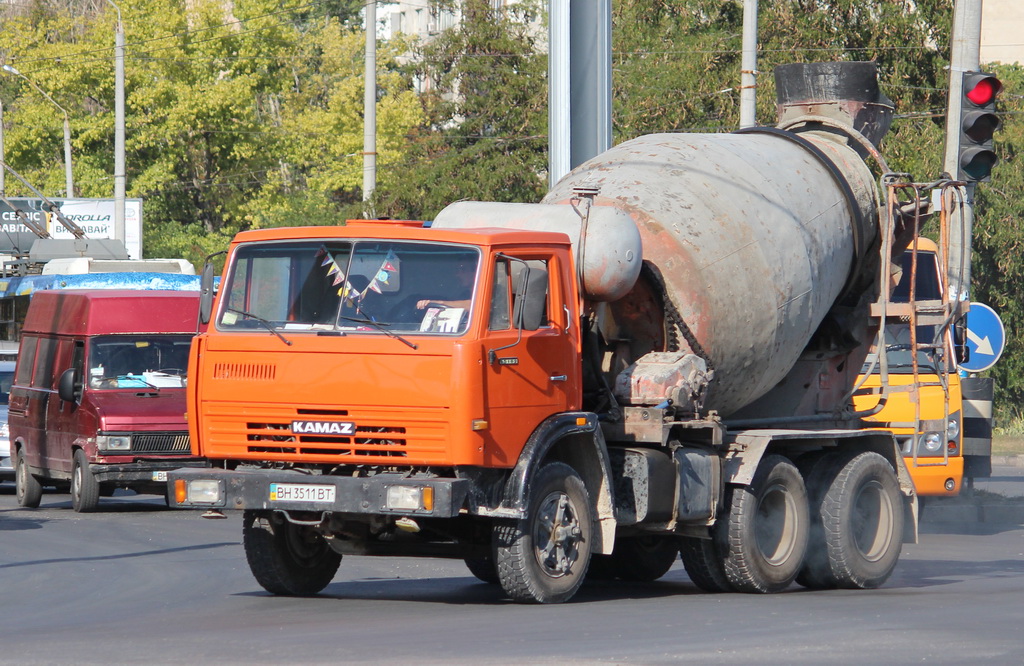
(862,518)
(703,564)
(483,568)
(285,558)
(819,474)
(85,489)
(644,558)
(543,557)
(26,487)
(765,537)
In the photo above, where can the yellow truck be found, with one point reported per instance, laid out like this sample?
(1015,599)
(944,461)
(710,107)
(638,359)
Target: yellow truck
(924,403)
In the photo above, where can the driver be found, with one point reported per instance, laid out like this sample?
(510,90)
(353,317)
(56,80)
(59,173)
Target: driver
(461,294)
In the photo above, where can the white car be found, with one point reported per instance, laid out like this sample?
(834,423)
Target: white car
(6,379)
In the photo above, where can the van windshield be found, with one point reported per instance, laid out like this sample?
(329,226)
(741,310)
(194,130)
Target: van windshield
(351,286)
(138,361)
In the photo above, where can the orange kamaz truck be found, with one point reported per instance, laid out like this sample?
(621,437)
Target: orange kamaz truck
(655,362)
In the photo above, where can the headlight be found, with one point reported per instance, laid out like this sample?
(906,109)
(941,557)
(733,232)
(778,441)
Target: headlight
(952,427)
(410,498)
(203,491)
(931,442)
(114,442)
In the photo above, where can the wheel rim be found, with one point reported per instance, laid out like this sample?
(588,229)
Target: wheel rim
(76,483)
(776,525)
(20,480)
(872,521)
(557,535)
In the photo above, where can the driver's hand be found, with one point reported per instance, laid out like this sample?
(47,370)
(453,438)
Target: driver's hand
(422,304)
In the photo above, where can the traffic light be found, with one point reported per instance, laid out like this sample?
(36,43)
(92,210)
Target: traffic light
(978,122)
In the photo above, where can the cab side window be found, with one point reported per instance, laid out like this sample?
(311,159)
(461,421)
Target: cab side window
(42,377)
(500,297)
(26,360)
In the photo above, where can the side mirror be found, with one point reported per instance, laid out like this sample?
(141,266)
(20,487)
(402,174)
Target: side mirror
(69,388)
(961,352)
(531,298)
(206,294)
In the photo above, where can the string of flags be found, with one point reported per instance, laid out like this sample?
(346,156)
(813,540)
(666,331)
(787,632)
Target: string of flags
(387,269)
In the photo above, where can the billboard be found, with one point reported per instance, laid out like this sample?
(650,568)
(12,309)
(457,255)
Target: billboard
(94,216)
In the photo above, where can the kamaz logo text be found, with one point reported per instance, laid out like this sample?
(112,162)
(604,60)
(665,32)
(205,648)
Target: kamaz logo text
(323,428)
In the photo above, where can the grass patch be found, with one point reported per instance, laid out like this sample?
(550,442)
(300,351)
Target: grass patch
(1007,445)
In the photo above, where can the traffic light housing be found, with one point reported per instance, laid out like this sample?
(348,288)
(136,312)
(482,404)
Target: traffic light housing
(978,123)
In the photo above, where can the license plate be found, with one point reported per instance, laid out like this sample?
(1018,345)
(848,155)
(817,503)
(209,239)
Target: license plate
(301,492)
(160,476)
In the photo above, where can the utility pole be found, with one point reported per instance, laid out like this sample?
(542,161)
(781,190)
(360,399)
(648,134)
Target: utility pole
(580,83)
(965,56)
(119,166)
(748,68)
(370,107)
(3,158)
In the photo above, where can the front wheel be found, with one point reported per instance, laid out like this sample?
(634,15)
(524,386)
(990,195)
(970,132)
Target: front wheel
(543,557)
(85,489)
(26,487)
(285,558)
(764,538)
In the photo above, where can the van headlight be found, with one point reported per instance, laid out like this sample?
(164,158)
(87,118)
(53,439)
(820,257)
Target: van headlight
(114,442)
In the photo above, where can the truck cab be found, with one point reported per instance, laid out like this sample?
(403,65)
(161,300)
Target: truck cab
(98,400)
(924,404)
(454,348)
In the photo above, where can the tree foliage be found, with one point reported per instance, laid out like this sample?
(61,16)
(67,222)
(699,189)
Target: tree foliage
(238,115)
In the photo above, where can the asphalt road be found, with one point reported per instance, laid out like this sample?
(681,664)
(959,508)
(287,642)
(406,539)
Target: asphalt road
(137,583)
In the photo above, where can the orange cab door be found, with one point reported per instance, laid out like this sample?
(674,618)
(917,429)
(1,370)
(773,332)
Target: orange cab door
(529,374)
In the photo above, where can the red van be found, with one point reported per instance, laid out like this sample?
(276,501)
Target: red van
(98,400)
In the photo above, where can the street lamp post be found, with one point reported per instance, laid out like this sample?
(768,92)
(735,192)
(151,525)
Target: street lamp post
(119,168)
(69,183)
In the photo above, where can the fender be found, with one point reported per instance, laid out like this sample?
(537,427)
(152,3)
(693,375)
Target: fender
(581,445)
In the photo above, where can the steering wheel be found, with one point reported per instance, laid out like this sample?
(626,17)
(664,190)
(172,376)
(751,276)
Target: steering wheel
(435,304)
(172,371)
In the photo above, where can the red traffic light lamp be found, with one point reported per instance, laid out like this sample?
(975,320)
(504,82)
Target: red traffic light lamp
(978,124)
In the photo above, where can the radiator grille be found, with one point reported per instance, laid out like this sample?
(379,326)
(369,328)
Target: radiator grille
(161,442)
(246,371)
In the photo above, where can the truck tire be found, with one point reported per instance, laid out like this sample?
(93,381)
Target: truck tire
(862,518)
(644,558)
(819,475)
(543,557)
(85,489)
(26,487)
(764,538)
(287,559)
(483,568)
(703,564)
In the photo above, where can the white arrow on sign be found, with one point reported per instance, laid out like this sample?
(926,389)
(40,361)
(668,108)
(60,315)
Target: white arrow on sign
(984,345)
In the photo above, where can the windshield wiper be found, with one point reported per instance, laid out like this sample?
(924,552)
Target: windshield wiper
(380,327)
(266,324)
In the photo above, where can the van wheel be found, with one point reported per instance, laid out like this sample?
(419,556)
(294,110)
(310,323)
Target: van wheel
(764,540)
(543,557)
(285,558)
(85,489)
(26,487)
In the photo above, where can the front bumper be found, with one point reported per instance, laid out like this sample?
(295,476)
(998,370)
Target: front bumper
(253,489)
(148,471)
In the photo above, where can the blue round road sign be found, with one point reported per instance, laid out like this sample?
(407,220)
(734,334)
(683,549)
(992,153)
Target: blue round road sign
(986,338)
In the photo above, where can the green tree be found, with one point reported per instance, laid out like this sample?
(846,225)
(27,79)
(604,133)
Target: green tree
(238,115)
(485,135)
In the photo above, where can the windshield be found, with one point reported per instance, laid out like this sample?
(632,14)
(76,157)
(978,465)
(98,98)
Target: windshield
(351,286)
(138,361)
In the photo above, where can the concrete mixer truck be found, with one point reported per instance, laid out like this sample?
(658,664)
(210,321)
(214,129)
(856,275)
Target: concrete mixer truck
(655,362)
